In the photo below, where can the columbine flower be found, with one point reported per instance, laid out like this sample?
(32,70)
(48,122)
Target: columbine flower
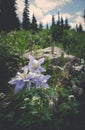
(20,79)
(40,80)
(30,73)
(35,65)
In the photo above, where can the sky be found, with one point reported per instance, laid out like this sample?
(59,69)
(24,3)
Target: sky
(44,9)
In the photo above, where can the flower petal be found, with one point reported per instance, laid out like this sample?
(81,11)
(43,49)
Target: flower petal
(13,81)
(45,85)
(37,85)
(45,78)
(28,85)
(25,68)
(41,60)
(19,86)
(31,58)
(42,69)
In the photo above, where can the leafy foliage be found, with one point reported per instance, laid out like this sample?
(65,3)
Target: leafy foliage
(55,108)
(74,43)
(37,108)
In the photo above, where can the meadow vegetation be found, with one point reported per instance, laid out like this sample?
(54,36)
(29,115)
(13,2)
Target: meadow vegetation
(61,106)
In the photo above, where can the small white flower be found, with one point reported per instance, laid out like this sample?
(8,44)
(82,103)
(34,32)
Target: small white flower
(71,97)
(26,99)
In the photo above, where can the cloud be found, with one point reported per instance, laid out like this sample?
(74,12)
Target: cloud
(41,10)
(44,19)
(36,11)
(20,7)
(47,5)
(78,19)
(47,19)
(64,15)
(79,13)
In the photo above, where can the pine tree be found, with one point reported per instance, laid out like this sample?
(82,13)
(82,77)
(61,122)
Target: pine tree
(58,22)
(84,16)
(53,20)
(66,24)
(53,29)
(76,27)
(59,28)
(0,6)
(80,29)
(62,22)
(40,26)
(8,19)
(26,20)
(34,24)
(47,26)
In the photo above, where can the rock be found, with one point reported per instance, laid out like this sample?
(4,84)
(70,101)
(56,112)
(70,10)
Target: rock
(47,52)
(78,68)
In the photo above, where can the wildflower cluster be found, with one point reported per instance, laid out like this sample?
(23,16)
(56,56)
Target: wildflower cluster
(31,73)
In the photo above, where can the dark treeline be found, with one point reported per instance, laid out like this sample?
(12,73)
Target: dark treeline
(8,18)
(58,27)
(10,21)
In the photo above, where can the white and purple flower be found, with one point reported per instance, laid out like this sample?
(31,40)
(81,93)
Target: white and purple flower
(20,79)
(41,81)
(30,73)
(35,65)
